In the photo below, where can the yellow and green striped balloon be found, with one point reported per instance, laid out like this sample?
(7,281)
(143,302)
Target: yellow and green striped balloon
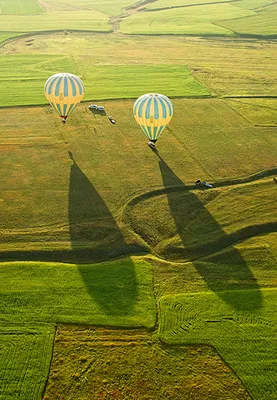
(153,113)
(64,92)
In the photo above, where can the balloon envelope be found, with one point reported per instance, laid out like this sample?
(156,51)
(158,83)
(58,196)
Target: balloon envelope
(153,112)
(64,92)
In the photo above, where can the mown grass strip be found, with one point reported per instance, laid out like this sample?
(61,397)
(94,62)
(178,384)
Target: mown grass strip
(115,293)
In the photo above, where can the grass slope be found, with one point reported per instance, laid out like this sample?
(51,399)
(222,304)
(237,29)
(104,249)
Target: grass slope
(112,294)
(20,7)
(246,340)
(26,351)
(90,363)
(190,20)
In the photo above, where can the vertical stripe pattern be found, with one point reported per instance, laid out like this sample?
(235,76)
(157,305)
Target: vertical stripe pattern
(64,92)
(153,112)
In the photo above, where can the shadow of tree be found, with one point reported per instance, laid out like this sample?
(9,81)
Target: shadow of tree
(223,275)
(95,236)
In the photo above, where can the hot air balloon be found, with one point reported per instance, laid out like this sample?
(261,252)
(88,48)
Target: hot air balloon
(64,92)
(153,112)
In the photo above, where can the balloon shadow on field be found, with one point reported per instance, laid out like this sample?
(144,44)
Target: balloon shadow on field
(228,276)
(95,237)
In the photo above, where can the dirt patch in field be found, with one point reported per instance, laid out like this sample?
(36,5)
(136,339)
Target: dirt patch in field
(99,363)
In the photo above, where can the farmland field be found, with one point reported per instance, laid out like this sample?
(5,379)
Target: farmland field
(200,20)
(160,4)
(82,20)
(222,67)
(222,326)
(19,7)
(120,277)
(26,351)
(35,70)
(259,111)
(262,24)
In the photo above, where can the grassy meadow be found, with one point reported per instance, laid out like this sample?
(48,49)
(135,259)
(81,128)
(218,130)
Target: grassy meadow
(120,279)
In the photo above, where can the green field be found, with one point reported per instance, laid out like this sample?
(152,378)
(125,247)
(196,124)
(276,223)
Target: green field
(261,24)
(79,20)
(246,340)
(25,85)
(36,166)
(120,279)
(259,111)
(109,7)
(200,20)
(26,351)
(222,67)
(254,4)
(115,294)
(160,4)
(20,7)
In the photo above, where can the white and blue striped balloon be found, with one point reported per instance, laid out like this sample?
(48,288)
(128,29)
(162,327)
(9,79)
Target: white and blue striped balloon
(64,92)
(153,112)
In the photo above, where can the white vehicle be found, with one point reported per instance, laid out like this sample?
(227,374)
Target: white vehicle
(100,108)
